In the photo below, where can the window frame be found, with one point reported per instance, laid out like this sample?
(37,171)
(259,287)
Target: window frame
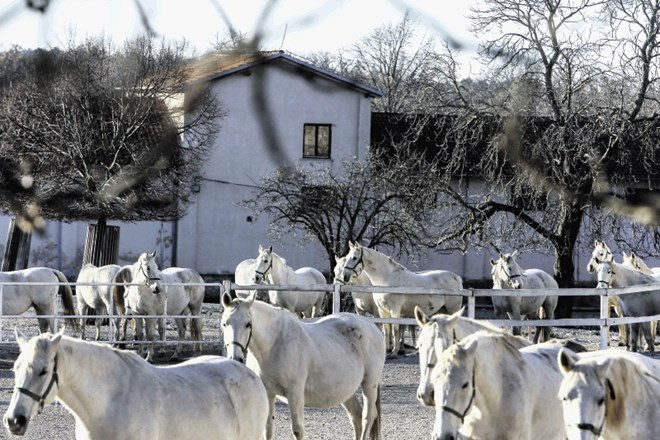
(316,154)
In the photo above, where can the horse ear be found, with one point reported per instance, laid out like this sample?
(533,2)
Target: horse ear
(421,317)
(493,262)
(251,297)
(226,299)
(57,336)
(21,338)
(566,360)
(152,254)
(270,248)
(471,346)
(260,249)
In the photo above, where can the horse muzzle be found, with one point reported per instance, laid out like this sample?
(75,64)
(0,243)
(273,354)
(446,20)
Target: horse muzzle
(16,425)
(425,397)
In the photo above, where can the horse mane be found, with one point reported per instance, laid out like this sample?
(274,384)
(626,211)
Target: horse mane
(130,358)
(646,278)
(502,342)
(619,378)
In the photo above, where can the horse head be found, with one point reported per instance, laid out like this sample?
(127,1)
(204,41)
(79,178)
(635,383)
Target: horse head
(237,325)
(600,254)
(263,265)
(436,334)
(353,263)
(145,271)
(585,393)
(35,379)
(606,275)
(454,388)
(506,269)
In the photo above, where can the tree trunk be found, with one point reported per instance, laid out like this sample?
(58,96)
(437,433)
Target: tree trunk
(101,244)
(564,267)
(17,251)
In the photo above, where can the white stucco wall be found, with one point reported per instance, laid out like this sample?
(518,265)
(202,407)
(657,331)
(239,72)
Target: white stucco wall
(225,234)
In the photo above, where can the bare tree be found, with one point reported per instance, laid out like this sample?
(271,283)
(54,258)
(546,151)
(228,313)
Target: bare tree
(94,133)
(400,63)
(552,143)
(371,201)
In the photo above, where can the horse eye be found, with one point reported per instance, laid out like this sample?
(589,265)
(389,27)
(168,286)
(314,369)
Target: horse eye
(601,401)
(248,325)
(43,372)
(465,385)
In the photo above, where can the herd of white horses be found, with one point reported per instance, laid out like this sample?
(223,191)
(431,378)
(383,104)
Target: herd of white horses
(484,382)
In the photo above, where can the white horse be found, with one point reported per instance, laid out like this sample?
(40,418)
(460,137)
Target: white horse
(155,295)
(439,332)
(273,268)
(102,296)
(633,260)
(507,274)
(315,364)
(115,394)
(610,394)
(16,299)
(489,389)
(364,301)
(600,254)
(613,274)
(383,271)
(244,276)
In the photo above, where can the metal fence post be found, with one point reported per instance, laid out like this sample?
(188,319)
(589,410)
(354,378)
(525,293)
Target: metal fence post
(604,314)
(336,298)
(471,304)
(2,287)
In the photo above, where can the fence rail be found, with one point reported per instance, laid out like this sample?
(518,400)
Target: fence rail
(603,322)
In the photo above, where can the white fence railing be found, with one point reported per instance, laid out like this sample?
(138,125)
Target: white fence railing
(603,322)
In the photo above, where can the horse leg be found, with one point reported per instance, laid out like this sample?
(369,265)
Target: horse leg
(268,435)
(139,334)
(387,329)
(397,329)
(150,327)
(633,337)
(648,335)
(614,303)
(181,330)
(98,322)
(45,324)
(353,408)
(371,410)
(296,401)
(515,315)
(196,333)
(82,311)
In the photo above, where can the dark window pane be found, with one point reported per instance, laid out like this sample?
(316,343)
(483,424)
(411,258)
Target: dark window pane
(323,141)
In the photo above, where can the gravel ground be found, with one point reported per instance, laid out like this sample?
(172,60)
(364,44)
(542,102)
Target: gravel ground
(403,417)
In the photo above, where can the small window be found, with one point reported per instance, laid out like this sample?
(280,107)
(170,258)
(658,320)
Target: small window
(316,140)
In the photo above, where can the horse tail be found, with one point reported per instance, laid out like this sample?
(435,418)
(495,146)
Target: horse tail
(66,293)
(374,434)
(122,276)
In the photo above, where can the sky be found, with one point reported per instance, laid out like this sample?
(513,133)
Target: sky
(297,26)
